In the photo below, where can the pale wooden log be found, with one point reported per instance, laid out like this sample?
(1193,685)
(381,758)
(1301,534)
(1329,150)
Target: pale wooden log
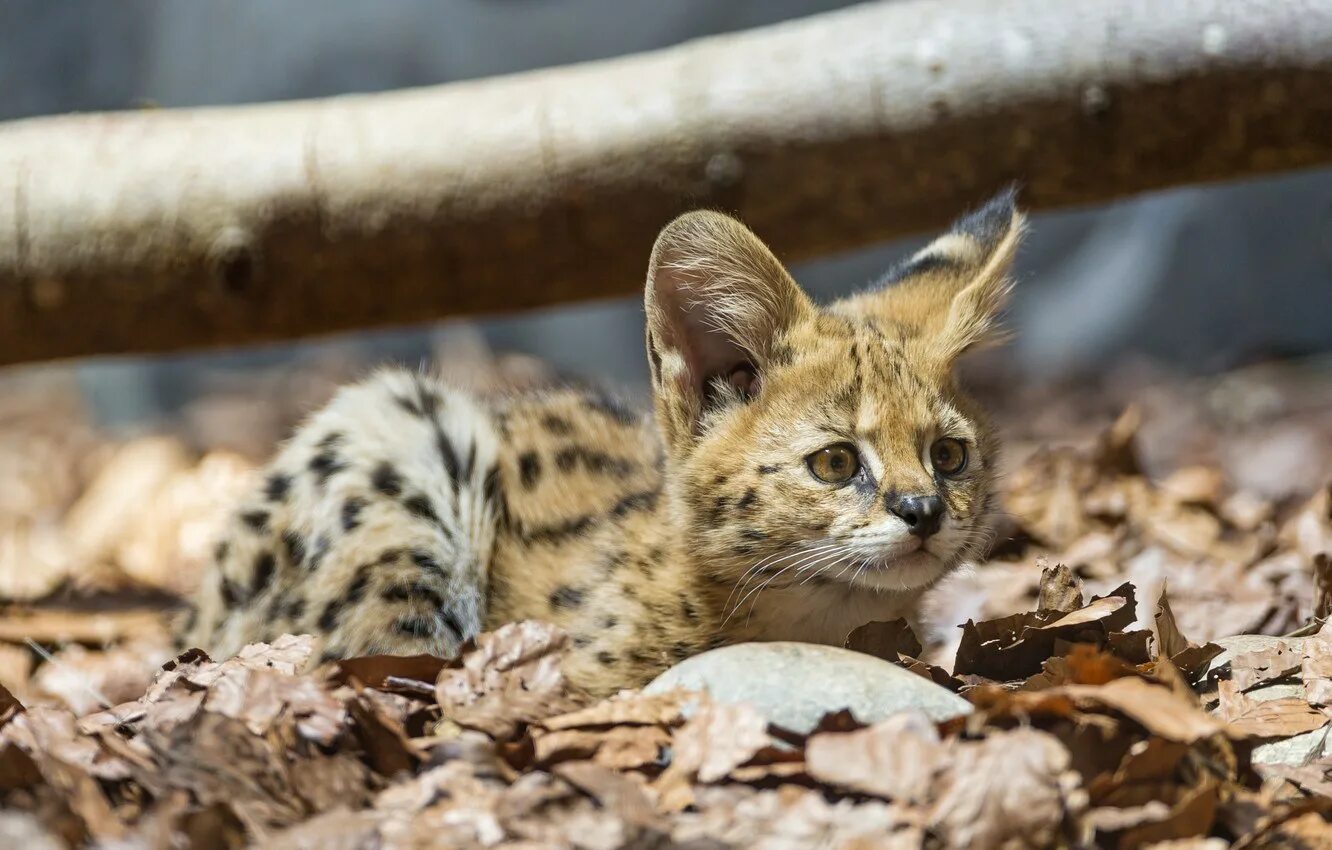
(162,230)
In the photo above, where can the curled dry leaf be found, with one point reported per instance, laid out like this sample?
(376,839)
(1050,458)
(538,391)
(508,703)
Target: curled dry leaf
(1011,789)
(1274,718)
(1060,589)
(718,739)
(1015,647)
(1316,671)
(631,708)
(895,759)
(1158,709)
(510,679)
(1260,667)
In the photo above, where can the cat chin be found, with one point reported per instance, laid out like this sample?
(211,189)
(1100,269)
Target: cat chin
(913,571)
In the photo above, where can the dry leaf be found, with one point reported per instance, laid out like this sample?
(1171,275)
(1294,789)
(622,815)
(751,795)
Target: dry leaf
(1012,789)
(718,739)
(895,759)
(1274,718)
(511,678)
(1060,589)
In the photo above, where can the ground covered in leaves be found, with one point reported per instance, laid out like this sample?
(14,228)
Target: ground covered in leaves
(1104,714)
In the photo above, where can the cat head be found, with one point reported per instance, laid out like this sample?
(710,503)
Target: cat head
(830,443)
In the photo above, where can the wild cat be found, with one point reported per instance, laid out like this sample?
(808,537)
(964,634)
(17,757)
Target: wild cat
(808,469)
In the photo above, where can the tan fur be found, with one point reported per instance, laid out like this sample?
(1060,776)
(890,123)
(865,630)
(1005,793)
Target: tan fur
(406,516)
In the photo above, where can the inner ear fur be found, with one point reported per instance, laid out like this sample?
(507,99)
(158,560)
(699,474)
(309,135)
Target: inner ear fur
(717,299)
(950,293)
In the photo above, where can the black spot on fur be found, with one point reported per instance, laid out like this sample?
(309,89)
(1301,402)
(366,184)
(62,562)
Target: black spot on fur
(331,440)
(264,565)
(566,597)
(330,654)
(256,521)
(220,551)
(605,464)
(351,513)
(609,623)
(318,552)
(753,534)
(688,610)
(606,659)
(680,650)
(529,469)
(644,500)
(295,546)
(328,619)
(277,486)
(566,458)
(448,456)
(612,408)
(452,623)
(555,533)
(232,595)
(386,479)
(427,562)
(325,465)
(557,425)
(718,509)
(408,405)
(295,609)
(361,581)
(419,505)
(581,641)
(416,591)
(767,469)
(747,501)
(494,494)
(414,626)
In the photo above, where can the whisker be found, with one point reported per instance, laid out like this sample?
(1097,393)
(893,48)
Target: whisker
(753,572)
(808,554)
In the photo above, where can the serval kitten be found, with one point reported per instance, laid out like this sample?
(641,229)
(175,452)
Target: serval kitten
(808,469)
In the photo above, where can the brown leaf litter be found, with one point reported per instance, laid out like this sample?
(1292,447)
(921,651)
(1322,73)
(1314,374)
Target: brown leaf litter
(1086,650)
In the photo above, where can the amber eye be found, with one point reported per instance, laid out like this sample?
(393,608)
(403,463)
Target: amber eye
(949,456)
(835,464)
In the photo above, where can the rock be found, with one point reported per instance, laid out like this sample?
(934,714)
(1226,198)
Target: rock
(1241,644)
(1297,750)
(795,684)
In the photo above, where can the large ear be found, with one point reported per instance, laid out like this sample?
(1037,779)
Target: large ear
(950,293)
(717,301)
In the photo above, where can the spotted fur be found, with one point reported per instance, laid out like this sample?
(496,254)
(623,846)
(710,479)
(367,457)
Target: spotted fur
(407,516)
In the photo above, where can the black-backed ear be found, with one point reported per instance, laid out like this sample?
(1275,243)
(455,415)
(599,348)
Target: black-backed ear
(717,301)
(949,294)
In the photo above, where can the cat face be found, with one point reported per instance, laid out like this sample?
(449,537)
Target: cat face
(826,445)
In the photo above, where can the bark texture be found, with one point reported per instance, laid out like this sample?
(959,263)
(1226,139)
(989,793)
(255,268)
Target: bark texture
(162,230)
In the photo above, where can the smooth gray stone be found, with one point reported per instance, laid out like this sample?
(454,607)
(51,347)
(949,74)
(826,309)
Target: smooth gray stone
(795,684)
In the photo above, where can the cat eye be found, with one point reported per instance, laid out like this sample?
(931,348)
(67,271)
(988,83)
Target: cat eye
(834,464)
(948,456)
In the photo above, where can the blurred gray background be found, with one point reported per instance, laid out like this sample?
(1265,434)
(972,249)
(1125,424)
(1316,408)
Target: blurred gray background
(1200,279)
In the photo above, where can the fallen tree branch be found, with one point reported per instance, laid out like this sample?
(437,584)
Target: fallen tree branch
(154,231)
